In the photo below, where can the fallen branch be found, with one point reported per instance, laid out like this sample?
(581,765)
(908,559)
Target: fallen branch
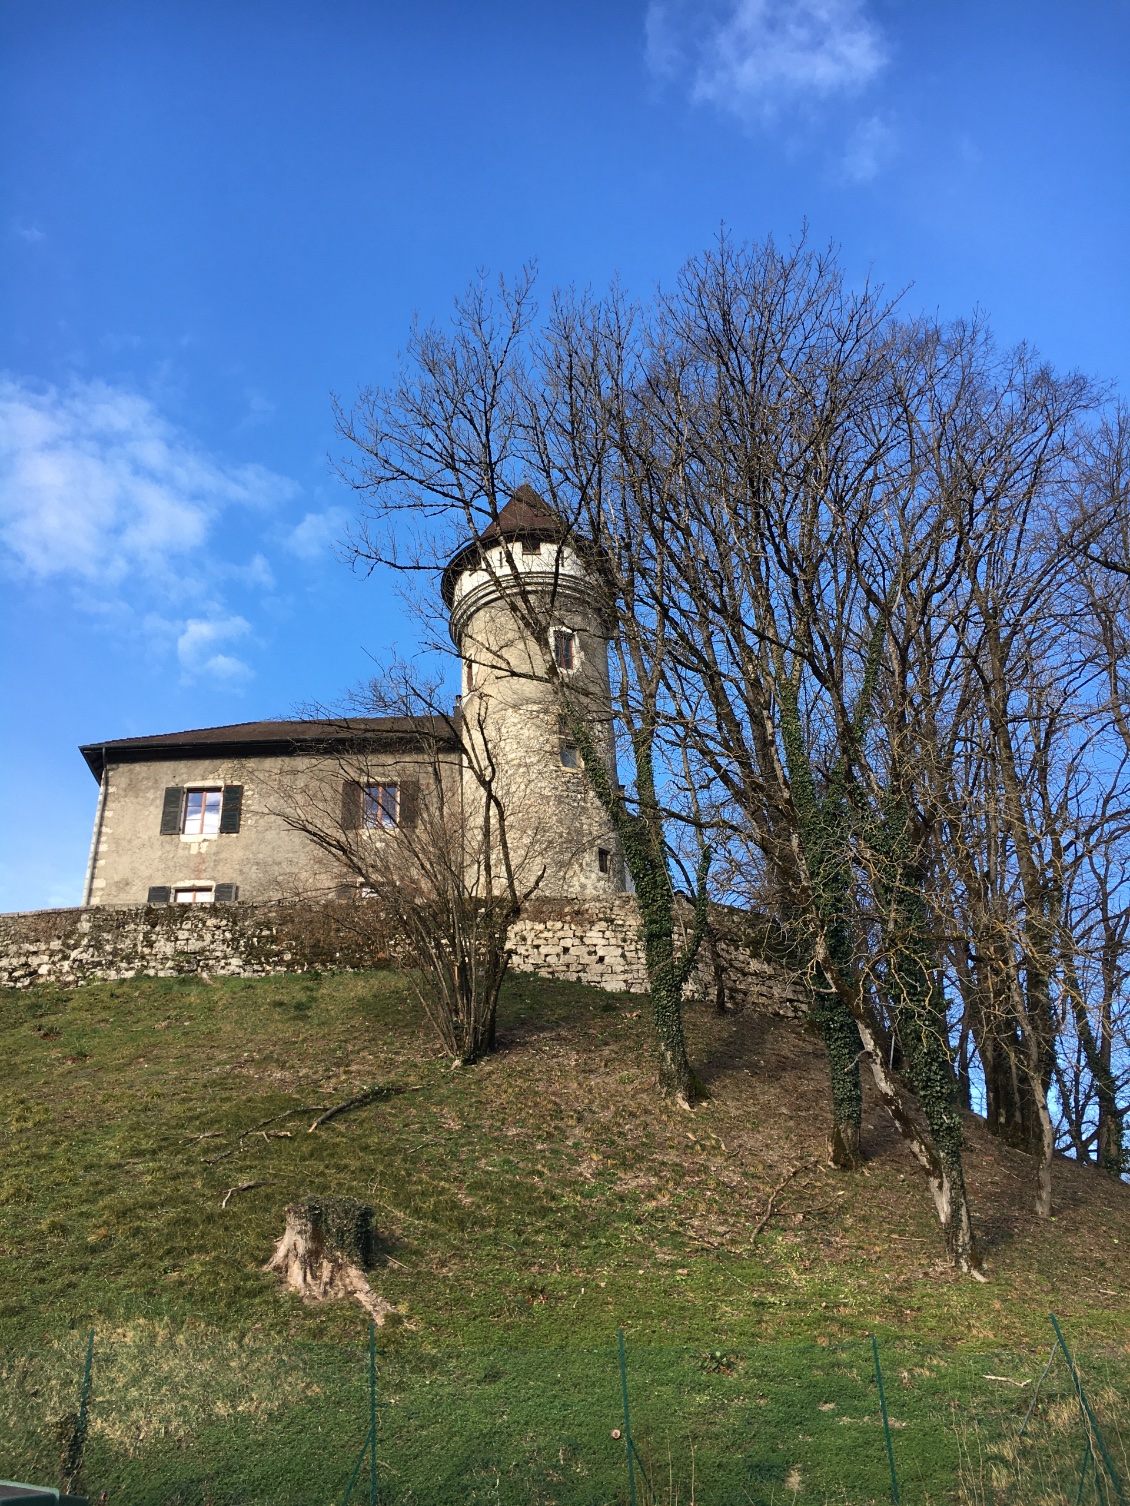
(770,1206)
(243,1187)
(1008,1380)
(350,1103)
(255,1128)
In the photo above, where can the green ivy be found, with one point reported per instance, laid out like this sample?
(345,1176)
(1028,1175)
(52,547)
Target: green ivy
(645,855)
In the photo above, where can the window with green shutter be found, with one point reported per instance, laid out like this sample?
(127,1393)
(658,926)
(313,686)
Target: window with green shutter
(352,801)
(227,894)
(232,809)
(159,894)
(171,809)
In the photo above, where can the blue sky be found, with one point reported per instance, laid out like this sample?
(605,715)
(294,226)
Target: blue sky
(213,215)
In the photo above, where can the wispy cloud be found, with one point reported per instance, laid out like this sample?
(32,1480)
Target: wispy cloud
(869,148)
(95,483)
(317,533)
(99,490)
(198,645)
(755,58)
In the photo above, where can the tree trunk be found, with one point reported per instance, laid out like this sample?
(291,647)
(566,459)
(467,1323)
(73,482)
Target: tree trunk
(665,977)
(1010,1107)
(943,1174)
(842,1046)
(320,1256)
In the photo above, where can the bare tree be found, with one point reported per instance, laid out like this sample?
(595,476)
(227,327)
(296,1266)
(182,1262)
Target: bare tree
(864,580)
(418,820)
(437,457)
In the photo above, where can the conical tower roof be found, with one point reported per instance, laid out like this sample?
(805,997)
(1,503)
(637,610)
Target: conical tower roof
(526,516)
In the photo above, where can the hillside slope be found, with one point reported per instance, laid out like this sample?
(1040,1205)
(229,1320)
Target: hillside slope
(531,1204)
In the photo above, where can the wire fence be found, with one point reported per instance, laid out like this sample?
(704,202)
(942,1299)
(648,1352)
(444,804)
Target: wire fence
(190,1417)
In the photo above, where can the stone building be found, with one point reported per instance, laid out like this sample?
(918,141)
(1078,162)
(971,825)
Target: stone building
(216,815)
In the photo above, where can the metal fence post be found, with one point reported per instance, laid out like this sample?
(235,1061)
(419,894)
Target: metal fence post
(886,1423)
(372,1414)
(1090,1422)
(627,1418)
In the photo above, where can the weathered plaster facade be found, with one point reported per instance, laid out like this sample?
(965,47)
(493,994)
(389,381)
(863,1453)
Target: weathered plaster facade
(278,769)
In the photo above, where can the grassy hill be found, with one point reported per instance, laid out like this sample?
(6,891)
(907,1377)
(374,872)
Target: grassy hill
(528,1208)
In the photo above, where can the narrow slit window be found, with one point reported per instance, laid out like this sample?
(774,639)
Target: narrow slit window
(565,648)
(570,753)
(604,860)
(382,806)
(202,812)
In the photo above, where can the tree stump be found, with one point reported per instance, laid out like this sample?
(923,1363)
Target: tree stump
(324,1251)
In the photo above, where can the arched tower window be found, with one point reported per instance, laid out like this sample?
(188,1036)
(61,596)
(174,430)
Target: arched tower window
(565,648)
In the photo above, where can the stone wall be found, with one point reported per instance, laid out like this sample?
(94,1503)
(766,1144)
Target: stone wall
(595,942)
(599,943)
(163,941)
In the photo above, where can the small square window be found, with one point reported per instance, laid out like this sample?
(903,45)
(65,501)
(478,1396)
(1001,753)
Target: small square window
(531,546)
(202,812)
(382,806)
(604,860)
(565,648)
(193,894)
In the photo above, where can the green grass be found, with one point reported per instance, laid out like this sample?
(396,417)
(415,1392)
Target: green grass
(528,1208)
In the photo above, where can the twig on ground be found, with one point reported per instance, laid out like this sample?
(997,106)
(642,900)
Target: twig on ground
(243,1187)
(350,1103)
(207,1135)
(771,1205)
(253,1129)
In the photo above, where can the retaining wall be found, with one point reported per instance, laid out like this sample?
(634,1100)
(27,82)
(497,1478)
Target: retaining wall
(594,942)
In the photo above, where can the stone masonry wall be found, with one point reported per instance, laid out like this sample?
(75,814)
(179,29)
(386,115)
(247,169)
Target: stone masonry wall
(108,942)
(594,942)
(599,943)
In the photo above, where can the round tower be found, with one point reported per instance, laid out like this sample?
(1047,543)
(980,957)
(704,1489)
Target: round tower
(521,601)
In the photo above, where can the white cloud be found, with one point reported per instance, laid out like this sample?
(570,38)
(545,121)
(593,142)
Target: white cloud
(96,485)
(753,57)
(318,532)
(197,645)
(869,149)
(101,495)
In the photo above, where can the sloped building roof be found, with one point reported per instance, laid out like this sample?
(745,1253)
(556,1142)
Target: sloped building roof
(248,739)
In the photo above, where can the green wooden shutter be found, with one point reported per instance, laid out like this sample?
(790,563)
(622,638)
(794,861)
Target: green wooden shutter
(351,805)
(226,894)
(409,802)
(159,894)
(231,809)
(170,811)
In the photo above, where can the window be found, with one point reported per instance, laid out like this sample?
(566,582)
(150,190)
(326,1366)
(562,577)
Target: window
(202,812)
(194,894)
(570,753)
(565,648)
(604,860)
(531,546)
(382,805)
